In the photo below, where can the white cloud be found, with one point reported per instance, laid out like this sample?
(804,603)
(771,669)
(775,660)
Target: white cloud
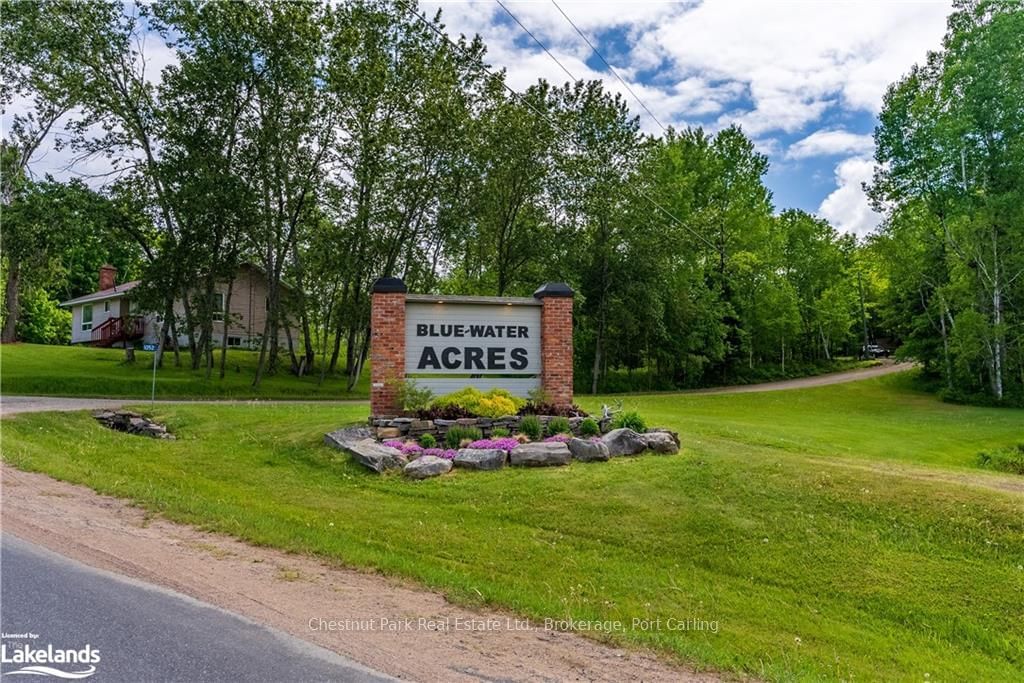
(830,143)
(799,58)
(847,207)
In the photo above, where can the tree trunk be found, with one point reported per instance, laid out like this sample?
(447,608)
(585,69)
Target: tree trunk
(945,343)
(12,293)
(226,324)
(129,350)
(165,330)
(597,357)
(354,373)
(997,343)
(336,352)
(863,316)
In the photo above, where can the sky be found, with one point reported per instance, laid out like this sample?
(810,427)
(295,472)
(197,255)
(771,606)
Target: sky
(804,80)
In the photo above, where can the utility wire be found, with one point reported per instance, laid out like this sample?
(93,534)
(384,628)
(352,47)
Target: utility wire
(482,66)
(610,67)
(536,40)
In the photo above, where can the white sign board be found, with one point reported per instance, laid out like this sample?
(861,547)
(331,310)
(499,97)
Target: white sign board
(473,339)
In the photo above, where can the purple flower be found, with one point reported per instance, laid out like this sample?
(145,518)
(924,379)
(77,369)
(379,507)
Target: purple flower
(407,447)
(446,453)
(560,438)
(505,443)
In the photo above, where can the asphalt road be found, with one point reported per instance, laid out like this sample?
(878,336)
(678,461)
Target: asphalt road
(143,632)
(14,404)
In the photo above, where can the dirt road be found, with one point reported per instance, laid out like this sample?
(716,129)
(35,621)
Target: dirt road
(301,595)
(886,368)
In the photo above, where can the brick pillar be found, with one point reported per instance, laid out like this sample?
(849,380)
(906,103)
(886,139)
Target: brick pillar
(556,341)
(387,344)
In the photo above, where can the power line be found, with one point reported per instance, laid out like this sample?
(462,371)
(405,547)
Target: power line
(610,67)
(536,40)
(481,65)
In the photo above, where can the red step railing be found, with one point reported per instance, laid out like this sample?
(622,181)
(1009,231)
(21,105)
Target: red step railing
(114,330)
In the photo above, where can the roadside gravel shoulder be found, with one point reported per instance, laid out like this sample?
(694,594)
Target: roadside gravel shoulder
(288,592)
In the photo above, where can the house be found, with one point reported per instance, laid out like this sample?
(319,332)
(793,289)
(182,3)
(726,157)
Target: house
(111,317)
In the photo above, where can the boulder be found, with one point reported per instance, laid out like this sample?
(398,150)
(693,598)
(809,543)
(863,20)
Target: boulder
(427,466)
(480,458)
(342,438)
(389,433)
(624,441)
(369,453)
(661,442)
(540,454)
(586,450)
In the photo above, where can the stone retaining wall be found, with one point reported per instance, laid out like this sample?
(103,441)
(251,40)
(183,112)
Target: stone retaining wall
(394,427)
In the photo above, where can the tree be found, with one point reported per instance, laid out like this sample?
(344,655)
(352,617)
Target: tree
(951,142)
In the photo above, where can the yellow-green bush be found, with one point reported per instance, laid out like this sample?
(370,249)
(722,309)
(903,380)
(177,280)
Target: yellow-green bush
(493,403)
(495,407)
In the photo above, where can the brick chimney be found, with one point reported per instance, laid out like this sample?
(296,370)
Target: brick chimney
(107,275)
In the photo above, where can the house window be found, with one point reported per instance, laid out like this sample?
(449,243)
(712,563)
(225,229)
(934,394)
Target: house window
(106,307)
(133,307)
(86,317)
(234,341)
(218,306)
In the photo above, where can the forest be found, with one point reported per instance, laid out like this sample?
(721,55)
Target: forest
(334,144)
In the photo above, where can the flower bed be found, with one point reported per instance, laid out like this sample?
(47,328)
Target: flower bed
(413,449)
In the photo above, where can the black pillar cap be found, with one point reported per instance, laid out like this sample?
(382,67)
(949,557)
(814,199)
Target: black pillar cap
(388,285)
(553,289)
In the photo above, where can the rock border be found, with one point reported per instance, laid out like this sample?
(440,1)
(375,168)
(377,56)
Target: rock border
(364,447)
(132,423)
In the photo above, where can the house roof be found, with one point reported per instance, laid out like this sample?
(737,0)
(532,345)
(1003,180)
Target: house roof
(120,290)
(114,292)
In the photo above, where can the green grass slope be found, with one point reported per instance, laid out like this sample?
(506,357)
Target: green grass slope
(39,370)
(776,521)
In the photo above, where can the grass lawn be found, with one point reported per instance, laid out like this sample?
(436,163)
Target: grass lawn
(39,370)
(783,519)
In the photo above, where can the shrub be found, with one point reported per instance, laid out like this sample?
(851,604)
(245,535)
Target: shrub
(497,406)
(464,398)
(413,397)
(532,408)
(1005,459)
(457,434)
(538,396)
(589,427)
(443,413)
(500,432)
(428,441)
(493,403)
(530,425)
(629,419)
(559,425)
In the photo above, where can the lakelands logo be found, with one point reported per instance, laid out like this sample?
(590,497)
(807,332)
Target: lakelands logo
(40,661)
